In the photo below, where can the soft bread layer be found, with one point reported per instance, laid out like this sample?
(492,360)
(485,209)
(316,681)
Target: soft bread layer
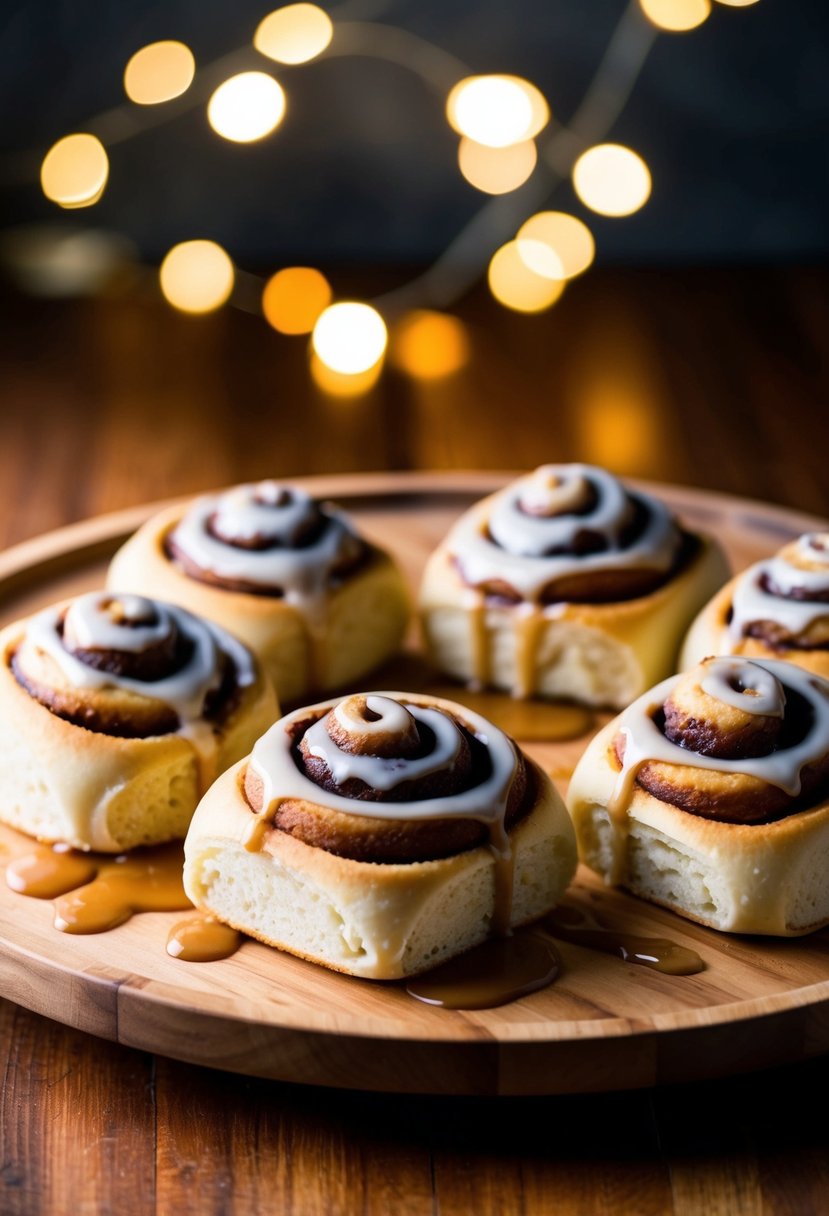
(597,654)
(61,782)
(709,635)
(743,878)
(363,623)
(364,918)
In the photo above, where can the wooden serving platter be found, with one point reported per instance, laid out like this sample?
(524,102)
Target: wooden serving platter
(604,1025)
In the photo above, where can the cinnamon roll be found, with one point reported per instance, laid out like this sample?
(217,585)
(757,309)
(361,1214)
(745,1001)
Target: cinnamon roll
(380,835)
(710,795)
(117,712)
(290,576)
(777,609)
(566,584)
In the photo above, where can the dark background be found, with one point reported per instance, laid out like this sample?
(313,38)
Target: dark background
(731,117)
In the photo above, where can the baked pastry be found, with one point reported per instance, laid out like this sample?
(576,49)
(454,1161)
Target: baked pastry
(566,584)
(380,835)
(288,575)
(117,712)
(777,609)
(710,795)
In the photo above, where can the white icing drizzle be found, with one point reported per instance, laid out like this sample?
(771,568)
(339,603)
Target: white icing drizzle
(274,764)
(645,742)
(725,679)
(386,772)
(91,622)
(500,541)
(752,602)
(281,514)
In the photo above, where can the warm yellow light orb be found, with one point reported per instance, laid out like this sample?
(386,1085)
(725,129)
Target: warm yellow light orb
(246,107)
(497,110)
(676,16)
(350,337)
(293,299)
(294,34)
(196,276)
(515,285)
(612,180)
(340,384)
(567,246)
(75,171)
(737,3)
(496,170)
(159,72)
(430,345)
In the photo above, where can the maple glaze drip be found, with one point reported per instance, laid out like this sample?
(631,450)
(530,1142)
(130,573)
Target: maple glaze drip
(755,687)
(560,522)
(105,623)
(95,892)
(790,590)
(391,714)
(571,924)
(202,939)
(498,972)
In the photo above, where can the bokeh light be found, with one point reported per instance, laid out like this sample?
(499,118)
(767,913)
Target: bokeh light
(676,16)
(159,72)
(341,384)
(430,345)
(294,297)
(737,3)
(196,276)
(294,34)
(496,170)
(516,286)
(612,179)
(497,110)
(246,107)
(75,170)
(349,337)
(566,244)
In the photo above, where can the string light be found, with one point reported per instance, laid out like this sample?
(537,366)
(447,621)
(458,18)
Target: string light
(74,171)
(344,384)
(430,345)
(496,170)
(349,337)
(196,276)
(246,107)
(612,180)
(516,286)
(294,34)
(159,72)
(676,16)
(497,117)
(555,245)
(293,299)
(497,110)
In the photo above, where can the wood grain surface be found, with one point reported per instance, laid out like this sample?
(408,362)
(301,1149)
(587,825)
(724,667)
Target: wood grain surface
(605,1025)
(708,377)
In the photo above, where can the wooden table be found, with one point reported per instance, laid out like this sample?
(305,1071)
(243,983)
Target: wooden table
(708,378)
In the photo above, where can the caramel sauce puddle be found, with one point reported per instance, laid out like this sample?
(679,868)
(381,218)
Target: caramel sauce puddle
(94,892)
(202,939)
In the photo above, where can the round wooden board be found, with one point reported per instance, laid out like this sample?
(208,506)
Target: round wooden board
(604,1025)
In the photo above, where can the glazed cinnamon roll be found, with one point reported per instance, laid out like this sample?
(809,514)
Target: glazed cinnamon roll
(290,576)
(777,609)
(710,795)
(380,835)
(117,712)
(566,584)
